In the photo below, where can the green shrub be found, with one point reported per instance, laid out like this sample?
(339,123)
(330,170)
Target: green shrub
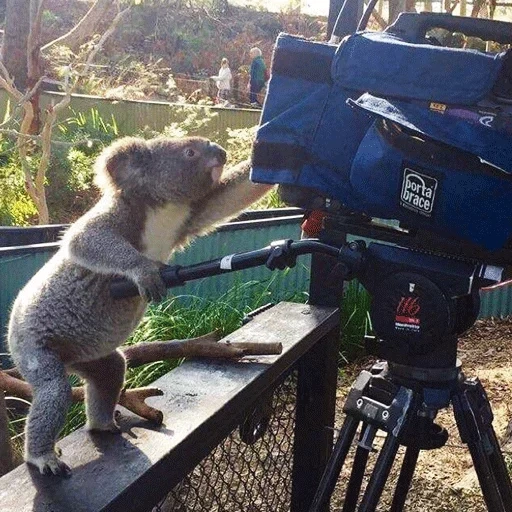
(16,207)
(70,175)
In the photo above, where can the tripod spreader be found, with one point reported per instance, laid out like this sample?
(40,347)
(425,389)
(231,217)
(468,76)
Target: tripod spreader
(279,254)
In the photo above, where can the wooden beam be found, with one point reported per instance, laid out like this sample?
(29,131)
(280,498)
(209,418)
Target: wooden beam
(203,401)
(6,457)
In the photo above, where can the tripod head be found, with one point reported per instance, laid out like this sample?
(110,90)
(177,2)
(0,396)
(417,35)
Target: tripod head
(421,303)
(424,291)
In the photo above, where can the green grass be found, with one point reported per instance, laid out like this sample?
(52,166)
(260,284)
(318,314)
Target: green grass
(355,321)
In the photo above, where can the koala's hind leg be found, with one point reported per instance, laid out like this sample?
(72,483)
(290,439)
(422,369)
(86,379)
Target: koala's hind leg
(45,372)
(104,379)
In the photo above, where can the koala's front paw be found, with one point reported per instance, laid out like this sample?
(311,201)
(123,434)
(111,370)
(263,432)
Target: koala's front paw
(50,464)
(150,284)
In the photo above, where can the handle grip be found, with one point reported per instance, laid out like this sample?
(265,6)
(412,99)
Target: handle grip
(278,254)
(413,26)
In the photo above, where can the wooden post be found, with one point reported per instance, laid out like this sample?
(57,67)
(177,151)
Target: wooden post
(316,392)
(6,458)
(463,8)
(334,9)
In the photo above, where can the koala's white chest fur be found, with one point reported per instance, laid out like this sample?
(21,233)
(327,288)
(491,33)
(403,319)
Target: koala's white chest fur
(161,230)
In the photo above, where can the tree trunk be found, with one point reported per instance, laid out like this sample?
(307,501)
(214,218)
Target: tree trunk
(14,49)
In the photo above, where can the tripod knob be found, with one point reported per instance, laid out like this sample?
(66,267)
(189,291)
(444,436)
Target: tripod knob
(422,433)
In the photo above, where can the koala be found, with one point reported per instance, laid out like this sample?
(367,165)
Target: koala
(156,195)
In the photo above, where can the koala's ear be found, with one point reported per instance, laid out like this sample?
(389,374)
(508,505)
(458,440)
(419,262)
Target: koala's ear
(122,164)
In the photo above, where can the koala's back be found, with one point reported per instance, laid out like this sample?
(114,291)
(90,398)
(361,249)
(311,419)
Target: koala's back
(69,309)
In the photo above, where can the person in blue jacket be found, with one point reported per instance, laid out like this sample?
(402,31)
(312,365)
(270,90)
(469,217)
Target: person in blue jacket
(257,78)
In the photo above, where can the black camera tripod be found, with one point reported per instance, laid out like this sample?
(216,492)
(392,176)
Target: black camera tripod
(403,401)
(421,303)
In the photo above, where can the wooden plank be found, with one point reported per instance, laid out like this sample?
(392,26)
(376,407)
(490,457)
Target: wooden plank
(203,401)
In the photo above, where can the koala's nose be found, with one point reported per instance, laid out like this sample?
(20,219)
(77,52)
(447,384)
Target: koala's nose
(219,152)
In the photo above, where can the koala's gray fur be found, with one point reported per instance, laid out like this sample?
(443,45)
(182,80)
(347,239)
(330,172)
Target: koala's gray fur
(156,195)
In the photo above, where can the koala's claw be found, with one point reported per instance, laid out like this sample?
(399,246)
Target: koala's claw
(111,427)
(152,287)
(50,465)
(156,293)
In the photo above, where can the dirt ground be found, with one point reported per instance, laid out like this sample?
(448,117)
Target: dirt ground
(444,480)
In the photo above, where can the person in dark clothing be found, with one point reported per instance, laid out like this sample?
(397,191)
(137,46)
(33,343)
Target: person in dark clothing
(257,78)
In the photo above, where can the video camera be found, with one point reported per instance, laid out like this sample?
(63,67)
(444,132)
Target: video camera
(392,125)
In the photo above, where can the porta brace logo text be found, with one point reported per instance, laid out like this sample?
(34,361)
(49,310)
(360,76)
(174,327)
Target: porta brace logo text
(418,192)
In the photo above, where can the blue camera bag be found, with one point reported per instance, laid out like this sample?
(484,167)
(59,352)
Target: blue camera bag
(393,129)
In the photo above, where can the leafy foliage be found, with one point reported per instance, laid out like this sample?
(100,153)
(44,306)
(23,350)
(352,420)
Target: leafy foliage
(70,189)
(160,39)
(16,208)
(70,176)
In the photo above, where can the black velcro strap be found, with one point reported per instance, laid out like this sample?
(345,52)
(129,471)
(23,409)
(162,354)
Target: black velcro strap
(279,156)
(304,65)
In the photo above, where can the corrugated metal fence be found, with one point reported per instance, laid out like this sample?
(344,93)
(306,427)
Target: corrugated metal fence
(496,302)
(131,116)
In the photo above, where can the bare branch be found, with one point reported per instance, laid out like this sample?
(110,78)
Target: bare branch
(7,83)
(30,186)
(206,345)
(132,399)
(29,94)
(379,19)
(82,31)
(120,15)
(203,346)
(46,149)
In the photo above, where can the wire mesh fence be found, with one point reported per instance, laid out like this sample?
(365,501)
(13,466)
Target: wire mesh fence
(251,470)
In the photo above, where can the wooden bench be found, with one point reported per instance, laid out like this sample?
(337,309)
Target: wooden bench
(202,403)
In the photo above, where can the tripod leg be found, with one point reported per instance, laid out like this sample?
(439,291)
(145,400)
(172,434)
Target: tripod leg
(486,478)
(474,420)
(364,448)
(334,465)
(380,475)
(405,479)
(500,470)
